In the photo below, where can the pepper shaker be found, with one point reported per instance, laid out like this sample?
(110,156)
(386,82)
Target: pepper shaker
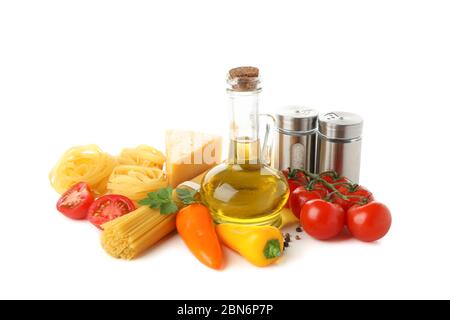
(339,144)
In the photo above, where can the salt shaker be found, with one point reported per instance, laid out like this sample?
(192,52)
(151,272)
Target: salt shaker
(339,144)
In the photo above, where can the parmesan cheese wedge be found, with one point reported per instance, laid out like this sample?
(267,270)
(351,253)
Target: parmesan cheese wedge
(190,154)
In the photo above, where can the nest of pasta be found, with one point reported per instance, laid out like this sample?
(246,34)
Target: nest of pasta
(135,181)
(142,155)
(83,164)
(134,173)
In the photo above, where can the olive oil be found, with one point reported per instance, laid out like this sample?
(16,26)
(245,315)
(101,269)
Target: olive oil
(245,189)
(248,193)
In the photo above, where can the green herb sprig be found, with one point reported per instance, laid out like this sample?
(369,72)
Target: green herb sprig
(163,200)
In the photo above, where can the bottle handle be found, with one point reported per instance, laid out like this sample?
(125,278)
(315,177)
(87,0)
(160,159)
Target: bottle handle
(267,145)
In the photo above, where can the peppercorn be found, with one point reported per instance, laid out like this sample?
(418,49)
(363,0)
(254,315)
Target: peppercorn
(287,238)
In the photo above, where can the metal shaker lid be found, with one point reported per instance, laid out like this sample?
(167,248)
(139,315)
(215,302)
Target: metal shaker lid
(296,118)
(340,125)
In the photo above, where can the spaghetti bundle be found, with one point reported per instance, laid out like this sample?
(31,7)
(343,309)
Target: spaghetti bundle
(83,164)
(128,236)
(135,181)
(142,155)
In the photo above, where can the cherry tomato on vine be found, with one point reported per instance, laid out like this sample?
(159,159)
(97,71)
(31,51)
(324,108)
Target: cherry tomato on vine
(321,189)
(334,179)
(354,192)
(296,175)
(293,184)
(321,219)
(299,197)
(75,202)
(295,179)
(108,208)
(369,222)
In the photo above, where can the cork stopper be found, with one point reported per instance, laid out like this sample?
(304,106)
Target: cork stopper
(244,78)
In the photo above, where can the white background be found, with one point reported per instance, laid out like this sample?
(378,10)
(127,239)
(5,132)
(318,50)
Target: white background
(118,73)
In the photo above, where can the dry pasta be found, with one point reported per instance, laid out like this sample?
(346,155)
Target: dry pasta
(83,164)
(142,156)
(135,181)
(130,235)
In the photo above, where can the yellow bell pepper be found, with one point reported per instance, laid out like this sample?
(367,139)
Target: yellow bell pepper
(260,245)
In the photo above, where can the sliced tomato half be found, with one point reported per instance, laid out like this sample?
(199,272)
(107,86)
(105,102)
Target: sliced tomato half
(109,207)
(76,201)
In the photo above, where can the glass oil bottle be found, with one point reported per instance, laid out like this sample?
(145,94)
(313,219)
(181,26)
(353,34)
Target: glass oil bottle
(245,189)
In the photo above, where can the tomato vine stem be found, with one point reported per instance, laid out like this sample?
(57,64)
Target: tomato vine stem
(316,178)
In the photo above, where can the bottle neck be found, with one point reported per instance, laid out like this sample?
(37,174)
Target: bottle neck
(244,127)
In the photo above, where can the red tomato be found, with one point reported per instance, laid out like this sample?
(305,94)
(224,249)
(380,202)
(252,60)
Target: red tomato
(321,189)
(299,197)
(75,202)
(292,186)
(295,179)
(340,180)
(295,175)
(321,219)
(108,208)
(369,222)
(333,178)
(352,191)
